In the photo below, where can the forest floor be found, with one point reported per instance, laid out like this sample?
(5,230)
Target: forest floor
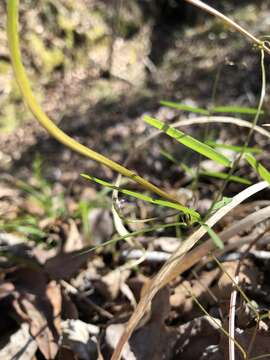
(97,84)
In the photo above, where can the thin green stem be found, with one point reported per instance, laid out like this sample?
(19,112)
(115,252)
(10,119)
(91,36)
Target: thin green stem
(250,133)
(45,121)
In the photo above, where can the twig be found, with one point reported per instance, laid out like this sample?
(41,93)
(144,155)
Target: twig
(76,292)
(150,256)
(232,320)
(231,23)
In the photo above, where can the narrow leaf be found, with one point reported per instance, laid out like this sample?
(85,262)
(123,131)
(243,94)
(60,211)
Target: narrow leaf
(259,168)
(234,147)
(235,110)
(215,238)
(194,214)
(189,141)
(224,176)
(215,174)
(184,107)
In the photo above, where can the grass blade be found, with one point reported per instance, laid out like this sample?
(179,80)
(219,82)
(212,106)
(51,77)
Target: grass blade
(224,176)
(235,110)
(189,141)
(215,238)
(259,168)
(190,212)
(184,107)
(215,174)
(234,147)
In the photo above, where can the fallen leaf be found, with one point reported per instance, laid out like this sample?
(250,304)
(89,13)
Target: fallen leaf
(181,299)
(40,330)
(21,345)
(65,265)
(110,284)
(101,225)
(80,337)
(248,274)
(74,240)
(6,289)
(39,304)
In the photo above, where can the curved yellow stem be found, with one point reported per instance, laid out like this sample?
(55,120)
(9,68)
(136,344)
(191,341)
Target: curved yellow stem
(45,121)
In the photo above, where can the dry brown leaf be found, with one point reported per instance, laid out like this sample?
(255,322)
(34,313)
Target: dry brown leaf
(101,225)
(248,274)
(40,330)
(53,293)
(167,244)
(6,289)
(21,345)
(64,265)
(181,299)
(110,284)
(69,309)
(39,304)
(74,240)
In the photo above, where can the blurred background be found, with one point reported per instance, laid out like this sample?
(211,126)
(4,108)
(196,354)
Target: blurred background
(96,66)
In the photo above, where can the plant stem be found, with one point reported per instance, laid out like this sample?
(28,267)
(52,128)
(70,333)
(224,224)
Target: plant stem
(46,122)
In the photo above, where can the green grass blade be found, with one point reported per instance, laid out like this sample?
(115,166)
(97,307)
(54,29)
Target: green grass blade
(224,176)
(189,141)
(259,168)
(215,238)
(184,107)
(215,174)
(194,214)
(234,147)
(235,110)
(132,234)
(23,229)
